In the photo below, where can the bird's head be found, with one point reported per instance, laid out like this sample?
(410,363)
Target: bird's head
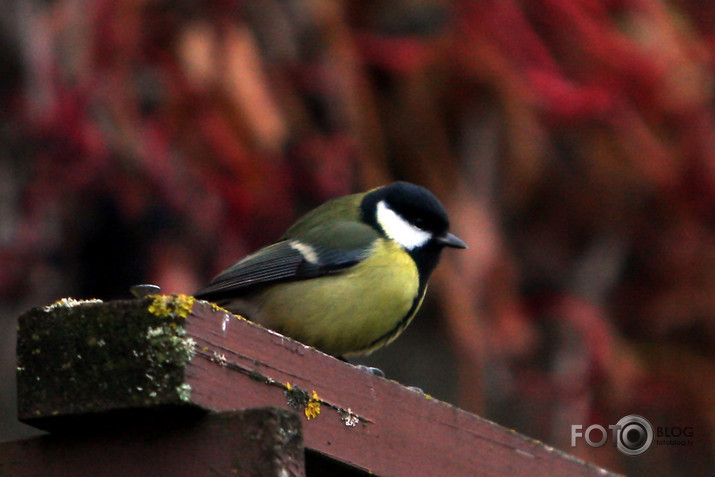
(413,217)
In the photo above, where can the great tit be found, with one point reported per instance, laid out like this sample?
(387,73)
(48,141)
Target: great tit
(346,278)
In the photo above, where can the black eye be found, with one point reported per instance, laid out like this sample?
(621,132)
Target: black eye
(419,223)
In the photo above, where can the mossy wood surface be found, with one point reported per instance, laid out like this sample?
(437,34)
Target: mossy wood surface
(85,358)
(166,352)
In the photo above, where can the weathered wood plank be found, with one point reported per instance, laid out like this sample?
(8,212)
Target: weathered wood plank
(366,421)
(255,443)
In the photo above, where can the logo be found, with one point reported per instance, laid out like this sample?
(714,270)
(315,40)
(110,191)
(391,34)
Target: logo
(632,435)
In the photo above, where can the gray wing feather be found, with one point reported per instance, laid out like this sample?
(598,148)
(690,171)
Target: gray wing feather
(291,259)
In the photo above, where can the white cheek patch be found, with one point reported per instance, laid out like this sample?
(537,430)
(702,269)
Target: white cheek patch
(400,230)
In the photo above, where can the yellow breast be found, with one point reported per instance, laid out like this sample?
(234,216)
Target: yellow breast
(345,313)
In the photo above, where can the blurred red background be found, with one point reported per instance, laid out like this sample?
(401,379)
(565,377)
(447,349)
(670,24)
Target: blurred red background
(572,142)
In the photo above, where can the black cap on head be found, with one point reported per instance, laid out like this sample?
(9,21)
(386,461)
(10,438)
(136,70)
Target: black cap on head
(414,203)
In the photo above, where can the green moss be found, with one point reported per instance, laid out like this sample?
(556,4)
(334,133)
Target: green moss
(184,392)
(91,356)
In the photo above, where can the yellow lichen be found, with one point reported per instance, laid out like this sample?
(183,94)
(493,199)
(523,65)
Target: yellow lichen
(298,399)
(219,309)
(215,308)
(312,409)
(171,305)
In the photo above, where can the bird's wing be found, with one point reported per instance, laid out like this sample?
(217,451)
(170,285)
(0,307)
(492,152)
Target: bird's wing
(322,250)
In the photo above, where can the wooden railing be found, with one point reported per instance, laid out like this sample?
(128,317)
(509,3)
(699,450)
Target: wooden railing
(167,385)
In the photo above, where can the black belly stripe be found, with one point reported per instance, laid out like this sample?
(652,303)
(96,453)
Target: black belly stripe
(425,260)
(401,325)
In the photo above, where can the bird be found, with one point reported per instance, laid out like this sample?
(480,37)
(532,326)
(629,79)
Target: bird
(346,278)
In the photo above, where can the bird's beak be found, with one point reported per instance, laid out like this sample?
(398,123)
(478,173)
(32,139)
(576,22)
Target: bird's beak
(451,240)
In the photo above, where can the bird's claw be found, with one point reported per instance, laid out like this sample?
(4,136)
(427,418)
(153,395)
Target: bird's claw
(371,370)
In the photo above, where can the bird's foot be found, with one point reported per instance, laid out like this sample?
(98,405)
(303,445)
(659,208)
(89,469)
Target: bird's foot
(416,389)
(371,370)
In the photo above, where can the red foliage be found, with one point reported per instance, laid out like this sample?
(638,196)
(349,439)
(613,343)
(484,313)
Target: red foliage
(573,142)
